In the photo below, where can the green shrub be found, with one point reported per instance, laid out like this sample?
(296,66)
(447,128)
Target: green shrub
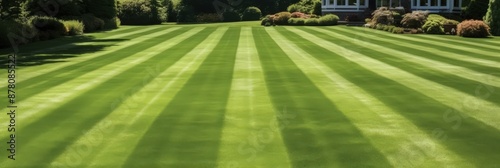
(185,14)
(398,30)
(22,33)
(251,13)
(389,28)
(268,20)
(433,27)
(328,20)
(380,26)
(296,21)
(450,22)
(282,18)
(231,16)
(294,8)
(139,12)
(473,28)
(105,9)
(112,23)
(312,22)
(492,17)
(397,18)
(207,18)
(50,27)
(316,8)
(382,16)
(475,10)
(92,23)
(415,19)
(74,27)
(436,17)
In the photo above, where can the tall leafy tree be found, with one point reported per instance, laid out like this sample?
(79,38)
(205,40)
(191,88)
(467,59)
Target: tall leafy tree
(492,17)
(104,9)
(10,9)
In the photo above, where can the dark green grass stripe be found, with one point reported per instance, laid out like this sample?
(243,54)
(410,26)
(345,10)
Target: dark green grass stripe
(315,132)
(451,80)
(415,50)
(480,43)
(396,38)
(60,76)
(470,138)
(187,132)
(81,113)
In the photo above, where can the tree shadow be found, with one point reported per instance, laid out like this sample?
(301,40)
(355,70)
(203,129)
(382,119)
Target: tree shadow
(56,50)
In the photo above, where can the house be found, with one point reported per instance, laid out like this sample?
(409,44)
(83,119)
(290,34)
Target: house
(363,8)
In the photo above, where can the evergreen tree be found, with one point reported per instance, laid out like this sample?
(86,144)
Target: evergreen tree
(492,17)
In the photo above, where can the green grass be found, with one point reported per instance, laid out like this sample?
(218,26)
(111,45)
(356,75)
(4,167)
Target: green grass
(241,95)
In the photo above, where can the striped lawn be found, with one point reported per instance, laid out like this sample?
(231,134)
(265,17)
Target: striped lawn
(222,95)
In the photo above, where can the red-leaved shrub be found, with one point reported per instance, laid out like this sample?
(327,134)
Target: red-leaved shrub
(282,18)
(473,28)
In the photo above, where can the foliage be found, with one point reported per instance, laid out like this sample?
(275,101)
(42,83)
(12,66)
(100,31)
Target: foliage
(398,30)
(476,9)
(328,20)
(92,23)
(282,18)
(433,27)
(382,16)
(104,9)
(492,17)
(10,9)
(294,8)
(268,20)
(380,26)
(368,20)
(231,16)
(299,15)
(112,23)
(48,27)
(185,14)
(415,19)
(316,8)
(251,13)
(450,22)
(312,22)
(139,12)
(306,6)
(208,18)
(296,21)
(67,8)
(74,27)
(171,11)
(24,31)
(436,17)
(473,28)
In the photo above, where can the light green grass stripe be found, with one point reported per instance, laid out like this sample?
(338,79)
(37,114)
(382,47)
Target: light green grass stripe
(435,51)
(126,125)
(249,114)
(445,68)
(30,72)
(39,105)
(445,45)
(472,106)
(476,42)
(392,134)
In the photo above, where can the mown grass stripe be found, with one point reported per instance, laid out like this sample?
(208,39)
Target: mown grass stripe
(388,131)
(187,132)
(331,130)
(52,75)
(466,49)
(431,70)
(453,98)
(37,106)
(482,43)
(129,119)
(249,136)
(387,83)
(427,52)
(104,94)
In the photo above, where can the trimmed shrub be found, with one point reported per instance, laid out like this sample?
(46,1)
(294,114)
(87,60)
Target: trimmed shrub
(50,27)
(312,22)
(139,12)
(450,22)
(328,20)
(382,16)
(251,13)
(368,20)
(268,21)
(92,23)
(105,9)
(282,18)
(208,18)
(389,28)
(380,26)
(415,19)
(299,15)
(296,21)
(316,8)
(231,16)
(473,28)
(294,8)
(22,33)
(74,27)
(433,27)
(436,17)
(492,17)
(398,30)
(112,23)
(185,14)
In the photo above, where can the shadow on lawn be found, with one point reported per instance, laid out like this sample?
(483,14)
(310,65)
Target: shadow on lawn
(55,51)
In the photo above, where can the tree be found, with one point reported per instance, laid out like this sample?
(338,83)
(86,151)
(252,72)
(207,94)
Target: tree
(104,9)
(10,9)
(492,17)
(475,10)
